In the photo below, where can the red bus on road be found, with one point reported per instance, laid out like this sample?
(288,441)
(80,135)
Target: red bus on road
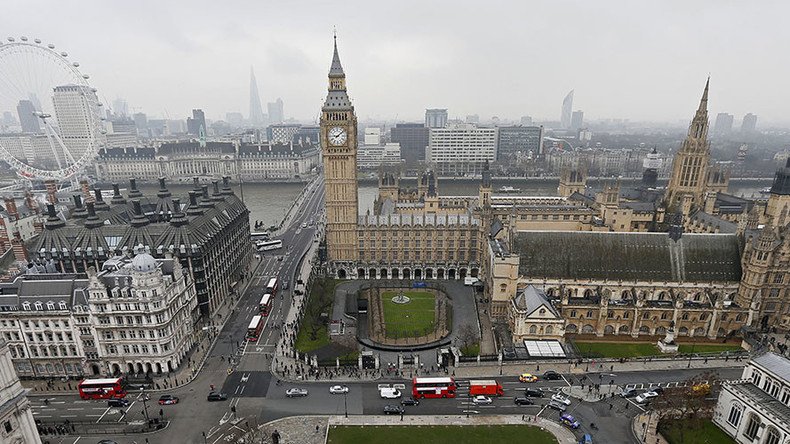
(486,387)
(255,327)
(102,388)
(265,305)
(272,286)
(433,388)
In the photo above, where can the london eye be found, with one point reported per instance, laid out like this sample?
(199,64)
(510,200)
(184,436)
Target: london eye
(61,120)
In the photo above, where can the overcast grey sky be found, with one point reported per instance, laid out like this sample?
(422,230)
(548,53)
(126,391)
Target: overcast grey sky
(625,59)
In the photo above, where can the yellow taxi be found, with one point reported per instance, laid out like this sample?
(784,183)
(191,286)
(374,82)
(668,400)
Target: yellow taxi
(527,377)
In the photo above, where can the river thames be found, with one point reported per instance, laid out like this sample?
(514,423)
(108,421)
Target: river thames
(268,202)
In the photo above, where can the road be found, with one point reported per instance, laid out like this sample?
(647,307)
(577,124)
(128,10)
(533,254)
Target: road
(256,397)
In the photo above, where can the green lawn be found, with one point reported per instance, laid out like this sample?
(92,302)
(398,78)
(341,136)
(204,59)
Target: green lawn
(704,433)
(636,349)
(439,435)
(409,320)
(708,348)
(616,349)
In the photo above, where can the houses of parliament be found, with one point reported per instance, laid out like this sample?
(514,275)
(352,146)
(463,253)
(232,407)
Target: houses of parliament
(615,261)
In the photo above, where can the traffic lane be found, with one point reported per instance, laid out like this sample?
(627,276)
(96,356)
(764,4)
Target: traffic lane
(654,376)
(67,407)
(613,424)
(318,401)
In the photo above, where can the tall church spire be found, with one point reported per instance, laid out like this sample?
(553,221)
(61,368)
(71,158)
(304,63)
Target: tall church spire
(703,103)
(337,69)
(337,98)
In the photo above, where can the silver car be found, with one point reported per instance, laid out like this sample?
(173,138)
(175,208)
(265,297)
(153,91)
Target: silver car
(295,392)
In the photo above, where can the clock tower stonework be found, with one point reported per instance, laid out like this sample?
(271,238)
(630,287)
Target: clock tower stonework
(339,151)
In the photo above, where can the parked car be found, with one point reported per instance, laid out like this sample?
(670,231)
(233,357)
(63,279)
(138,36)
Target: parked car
(295,392)
(523,401)
(559,397)
(216,396)
(658,389)
(482,400)
(558,406)
(390,393)
(115,402)
(533,393)
(569,421)
(509,352)
(644,397)
(551,375)
(168,399)
(628,393)
(393,410)
(338,389)
(527,377)
(409,401)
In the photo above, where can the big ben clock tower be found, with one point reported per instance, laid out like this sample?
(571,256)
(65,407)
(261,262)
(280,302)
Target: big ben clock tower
(339,144)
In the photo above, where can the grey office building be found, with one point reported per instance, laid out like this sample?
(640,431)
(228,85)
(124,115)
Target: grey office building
(577,120)
(27,118)
(723,123)
(518,141)
(413,138)
(435,118)
(197,121)
(749,124)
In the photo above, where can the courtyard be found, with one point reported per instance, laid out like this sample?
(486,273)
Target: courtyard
(413,319)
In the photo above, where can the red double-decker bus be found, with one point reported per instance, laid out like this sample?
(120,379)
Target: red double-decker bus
(255,327)
(272,286)
(102,388)
(265,306)
(433,388)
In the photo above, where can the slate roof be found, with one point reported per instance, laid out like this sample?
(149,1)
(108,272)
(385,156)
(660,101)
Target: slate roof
(628,256)
(778,365)
(531,299)
(713,221)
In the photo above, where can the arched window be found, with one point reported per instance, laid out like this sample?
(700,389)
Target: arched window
(549,330)
(703,316)
(685,316)
(662,295)
(773,436)
(697,297)
(734,418)
(756,378)
(533,329)
(752,427)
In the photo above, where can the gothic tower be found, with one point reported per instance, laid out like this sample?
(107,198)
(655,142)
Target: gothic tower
(572,181)
(690,167)
(339,145)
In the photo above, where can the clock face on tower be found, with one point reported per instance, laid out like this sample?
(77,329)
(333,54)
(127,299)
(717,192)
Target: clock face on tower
(337,136)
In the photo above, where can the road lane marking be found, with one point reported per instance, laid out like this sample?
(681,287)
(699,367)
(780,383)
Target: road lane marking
(102,416)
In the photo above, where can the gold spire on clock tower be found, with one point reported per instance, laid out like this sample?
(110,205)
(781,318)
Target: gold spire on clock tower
(339,147)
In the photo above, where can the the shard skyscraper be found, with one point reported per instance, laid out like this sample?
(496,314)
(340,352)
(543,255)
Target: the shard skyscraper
(256,111)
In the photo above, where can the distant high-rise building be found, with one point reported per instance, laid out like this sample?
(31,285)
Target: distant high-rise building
(577,120)
(413,138)
(197,121)
(436,118)
(276,114)
(29,121)
(462,148)
(526,120)
(473,118)
(141,122)
(514,141)
(234,119)
(723,123)
(749,124)
(256,110)
(567,110)
(73,112)
(8,118)
(120,107)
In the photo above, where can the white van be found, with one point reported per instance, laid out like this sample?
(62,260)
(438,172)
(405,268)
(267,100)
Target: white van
(470,280)
(390,393)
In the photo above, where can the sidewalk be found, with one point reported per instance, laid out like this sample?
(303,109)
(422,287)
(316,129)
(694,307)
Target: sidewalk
(644,428)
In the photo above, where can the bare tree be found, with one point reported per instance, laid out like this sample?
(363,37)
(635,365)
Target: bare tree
(467,335)
(681,409)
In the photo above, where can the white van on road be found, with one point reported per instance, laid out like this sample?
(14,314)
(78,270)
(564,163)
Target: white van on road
(390,393)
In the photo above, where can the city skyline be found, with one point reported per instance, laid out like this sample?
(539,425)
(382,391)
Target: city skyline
(209,70)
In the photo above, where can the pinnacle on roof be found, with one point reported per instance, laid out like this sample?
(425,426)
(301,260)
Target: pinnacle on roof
(337,69)
(703,103)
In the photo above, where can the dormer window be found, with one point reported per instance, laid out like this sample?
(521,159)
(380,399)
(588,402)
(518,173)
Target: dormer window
(50,305)
(25,305)
(62,305)
(39,305)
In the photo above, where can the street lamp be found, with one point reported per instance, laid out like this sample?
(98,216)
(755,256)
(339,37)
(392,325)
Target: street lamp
(345,402)
(144,398)
(691,354)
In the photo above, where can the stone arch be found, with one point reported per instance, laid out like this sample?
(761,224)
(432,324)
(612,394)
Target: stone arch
(644,330)
(462,273)
(549,330)
(533,329)
(395,273)
(699,331)
(116,369)
(383,273)
(341,274)
(169,365)
(94,369)
(418,274)
(571,328)
(440,273)
(720,333)
(148,368)
(697,296)
(608,330)
(360,273)
(372,273)
(624,329)
(588,293)
(130,366)
(625,295)
(140,367)
(158,368)
(683,331)
(406,273)
(661,331)
(429,273)
(662,296)
(474,272)
(451,274)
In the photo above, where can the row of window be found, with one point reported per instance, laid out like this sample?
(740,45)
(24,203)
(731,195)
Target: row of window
(397,255)
(772,435)
(39,306)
